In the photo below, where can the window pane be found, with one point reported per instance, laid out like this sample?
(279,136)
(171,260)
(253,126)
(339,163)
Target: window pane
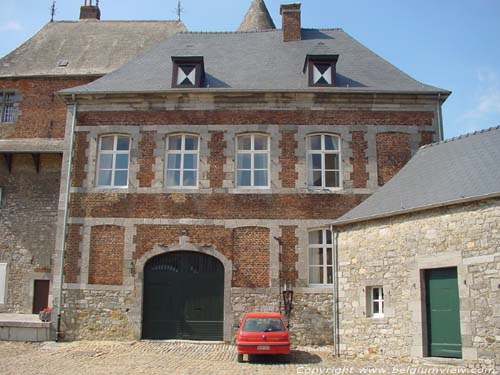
(316,178)
(328,237)
(316,237)
(260,178)
(332,179)
(244,142)
(315,275)
(331,142)
(260,142)
(190,161)
(123,143)
(121,178)
(376,308)
(189,178)
(375,293)
(104,178)
(329,257)
(174,161)
(122,161)
(8,113)
(260,161)
(331,161)
(316,161)
(175,142)
(329,275)
(173,178)
(106,161)
(315,142)
(107,143)
(243,178)
(191,143)
(9,98)
(316,257)
(244,161)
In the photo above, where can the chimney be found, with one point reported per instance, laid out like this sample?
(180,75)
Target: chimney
(291,22)
(90,12)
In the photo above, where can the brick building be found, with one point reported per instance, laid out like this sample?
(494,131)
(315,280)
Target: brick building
(206,172)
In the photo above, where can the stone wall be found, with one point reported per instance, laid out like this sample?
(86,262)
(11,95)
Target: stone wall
(28,214)
(394,252)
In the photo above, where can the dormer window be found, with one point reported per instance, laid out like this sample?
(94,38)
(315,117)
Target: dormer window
(187,72)
(321,70)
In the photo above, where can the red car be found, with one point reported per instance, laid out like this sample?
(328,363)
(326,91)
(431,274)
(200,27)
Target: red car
(262,333)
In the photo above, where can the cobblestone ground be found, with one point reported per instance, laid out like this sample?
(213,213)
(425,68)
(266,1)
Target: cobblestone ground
(165,358)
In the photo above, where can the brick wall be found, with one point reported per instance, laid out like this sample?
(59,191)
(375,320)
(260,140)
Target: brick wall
(72,256)
(289,256)
(251,257)
(107,246)
(80,158)
(288,160)
(216,160)
(259,117)
(213,206)
(41,113)
(393,152)
(426,137)
(291,26)
(147,145)
(359,159)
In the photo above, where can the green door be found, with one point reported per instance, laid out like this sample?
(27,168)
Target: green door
(183,297)
(443,313)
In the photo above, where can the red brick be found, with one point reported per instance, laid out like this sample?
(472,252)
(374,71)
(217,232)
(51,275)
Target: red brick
(393,152)
(251,257)
(216,160)
(426,137)
(107,246)
(288,160)
(81,145)
(146,161)
(72,255)
(359,160)
(289,256)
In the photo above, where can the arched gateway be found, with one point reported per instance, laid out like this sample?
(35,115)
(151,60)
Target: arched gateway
(183,297)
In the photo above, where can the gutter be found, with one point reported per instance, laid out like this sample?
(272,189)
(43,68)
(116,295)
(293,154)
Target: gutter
(440,118)
(65,223)
(336,320)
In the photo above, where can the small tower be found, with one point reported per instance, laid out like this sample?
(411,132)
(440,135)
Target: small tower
(257,18)
(88,11)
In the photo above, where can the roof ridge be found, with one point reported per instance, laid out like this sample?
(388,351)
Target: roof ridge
(461,136)
(112,21)
(227,32)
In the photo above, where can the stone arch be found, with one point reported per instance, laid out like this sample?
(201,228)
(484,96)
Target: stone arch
(159,249)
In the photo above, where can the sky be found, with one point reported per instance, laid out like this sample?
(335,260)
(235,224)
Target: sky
(451,44)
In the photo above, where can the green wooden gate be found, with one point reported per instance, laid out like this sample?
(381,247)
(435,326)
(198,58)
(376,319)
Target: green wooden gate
(183,297)
(443,313)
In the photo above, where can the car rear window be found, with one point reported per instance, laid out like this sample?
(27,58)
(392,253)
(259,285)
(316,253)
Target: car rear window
(263,325)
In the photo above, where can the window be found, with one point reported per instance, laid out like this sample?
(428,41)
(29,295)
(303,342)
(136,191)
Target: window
(320,257)
(187,72)
(7,106)
(322,70)
(375,301)
(323,161)
(182,161)
(3,282)
(114,153)
(252,161)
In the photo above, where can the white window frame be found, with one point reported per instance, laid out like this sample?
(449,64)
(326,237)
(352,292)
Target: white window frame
(252,153)
(4,104)
(3,283)
(371,301)
(323,152)
(113,152)
(326,247)
(183,152)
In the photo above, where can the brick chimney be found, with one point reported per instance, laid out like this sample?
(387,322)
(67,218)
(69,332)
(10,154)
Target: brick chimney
(291,22)
(90,12)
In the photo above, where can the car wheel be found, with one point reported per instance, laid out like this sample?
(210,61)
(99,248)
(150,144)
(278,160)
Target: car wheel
(240,358)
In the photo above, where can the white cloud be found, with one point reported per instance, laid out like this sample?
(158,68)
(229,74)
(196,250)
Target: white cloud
(11,26)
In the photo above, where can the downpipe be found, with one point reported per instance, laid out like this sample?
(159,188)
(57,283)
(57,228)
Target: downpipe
(65,223)
(336,321)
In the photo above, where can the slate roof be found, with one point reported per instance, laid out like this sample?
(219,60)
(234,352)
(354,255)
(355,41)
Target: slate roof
(257,18)
(259,61)
(90,47)
(449,172)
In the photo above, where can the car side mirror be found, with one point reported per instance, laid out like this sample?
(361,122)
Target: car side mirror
(236,325)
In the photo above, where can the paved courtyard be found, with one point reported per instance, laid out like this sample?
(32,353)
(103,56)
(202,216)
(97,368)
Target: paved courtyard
(167,358)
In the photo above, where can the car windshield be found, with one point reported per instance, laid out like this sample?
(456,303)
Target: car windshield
(263,325)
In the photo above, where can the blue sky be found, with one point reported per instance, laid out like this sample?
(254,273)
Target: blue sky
(446,43)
